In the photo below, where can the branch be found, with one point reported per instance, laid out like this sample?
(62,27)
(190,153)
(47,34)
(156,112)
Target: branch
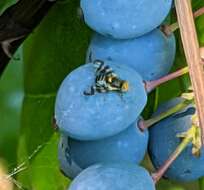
(192,52)
(16,23)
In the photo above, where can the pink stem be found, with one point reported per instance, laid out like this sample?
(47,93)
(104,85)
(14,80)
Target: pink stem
(199,12)
(150,85)
(158,175)
(169,29)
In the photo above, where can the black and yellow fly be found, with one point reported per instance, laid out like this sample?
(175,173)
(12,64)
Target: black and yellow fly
(106,80)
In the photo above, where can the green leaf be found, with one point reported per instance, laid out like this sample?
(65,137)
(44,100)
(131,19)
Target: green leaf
(54,49)
(46,163)
(11,95)
(5,4)
(42,171)
(201,183)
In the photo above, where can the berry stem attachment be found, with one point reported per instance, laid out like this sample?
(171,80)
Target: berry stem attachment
(188,139)
(148,123)
(151,85)
(168,29)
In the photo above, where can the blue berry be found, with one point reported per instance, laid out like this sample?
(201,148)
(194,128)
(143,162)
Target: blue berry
(101,115)
(67,164)
(163,142)
(151,55)
(119,176)
(129,145)
(125,19)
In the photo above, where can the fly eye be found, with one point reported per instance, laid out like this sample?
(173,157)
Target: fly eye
(125,86)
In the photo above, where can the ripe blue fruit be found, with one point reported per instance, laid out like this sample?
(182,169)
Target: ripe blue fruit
(101,115)
(118,176)
(67,165)
(129,145)
(124,19)
(163,142)
(151,55)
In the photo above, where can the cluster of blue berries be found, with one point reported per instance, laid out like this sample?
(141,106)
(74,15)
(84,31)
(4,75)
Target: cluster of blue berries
(99,105)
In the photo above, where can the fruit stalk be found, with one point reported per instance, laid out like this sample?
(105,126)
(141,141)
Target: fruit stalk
(173,27)
(151,85)
(158,175)
(148,123)
(199,12)
(192,52)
